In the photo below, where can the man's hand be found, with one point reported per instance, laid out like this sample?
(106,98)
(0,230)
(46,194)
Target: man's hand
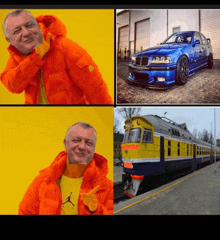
(42,49)
(90,199)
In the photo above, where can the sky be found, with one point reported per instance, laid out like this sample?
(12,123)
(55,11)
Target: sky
(194,117)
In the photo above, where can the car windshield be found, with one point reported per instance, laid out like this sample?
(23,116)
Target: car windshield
(181,37)
(134,135)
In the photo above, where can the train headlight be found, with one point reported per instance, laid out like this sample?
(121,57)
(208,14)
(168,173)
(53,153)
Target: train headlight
(128,165)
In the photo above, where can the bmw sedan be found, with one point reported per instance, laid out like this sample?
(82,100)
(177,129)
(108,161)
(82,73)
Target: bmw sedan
(178,57)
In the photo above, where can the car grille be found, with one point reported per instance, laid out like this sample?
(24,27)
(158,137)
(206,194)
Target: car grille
(141,61)
(141,77)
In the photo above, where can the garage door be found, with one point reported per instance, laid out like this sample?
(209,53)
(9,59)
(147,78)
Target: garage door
(142,32)
(123,39)
(210,27)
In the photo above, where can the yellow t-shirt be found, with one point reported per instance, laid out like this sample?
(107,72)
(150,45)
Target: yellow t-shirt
(70,193)
(42,94)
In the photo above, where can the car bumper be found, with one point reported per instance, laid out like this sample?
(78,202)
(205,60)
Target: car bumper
(152,76)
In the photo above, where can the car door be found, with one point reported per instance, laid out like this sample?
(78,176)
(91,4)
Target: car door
(206,47)
(198,51)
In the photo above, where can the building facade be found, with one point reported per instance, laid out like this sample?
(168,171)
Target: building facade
(141,29)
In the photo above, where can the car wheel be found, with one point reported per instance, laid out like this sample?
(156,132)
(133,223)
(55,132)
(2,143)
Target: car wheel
(210,61)
(182,70)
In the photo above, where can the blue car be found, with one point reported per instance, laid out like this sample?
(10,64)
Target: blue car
(178,57)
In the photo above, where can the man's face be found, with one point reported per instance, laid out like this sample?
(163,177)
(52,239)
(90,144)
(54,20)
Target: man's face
(80,144)
(23,32)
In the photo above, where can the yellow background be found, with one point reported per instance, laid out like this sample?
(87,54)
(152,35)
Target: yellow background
(93,29)
(31,138)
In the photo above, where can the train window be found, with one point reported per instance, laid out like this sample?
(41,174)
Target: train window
(125,136)
(147,136)
(134,135)
(169,147)
(178,148)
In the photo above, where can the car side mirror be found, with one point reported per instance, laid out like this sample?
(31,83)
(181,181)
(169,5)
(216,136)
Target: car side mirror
(197,41)
(208,39)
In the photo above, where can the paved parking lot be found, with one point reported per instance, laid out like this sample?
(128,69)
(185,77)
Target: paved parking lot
(203,87)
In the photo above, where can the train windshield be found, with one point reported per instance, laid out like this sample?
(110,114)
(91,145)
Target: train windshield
(134,135)
(125,136)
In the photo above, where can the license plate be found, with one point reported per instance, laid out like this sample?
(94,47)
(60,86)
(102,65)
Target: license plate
(140,69)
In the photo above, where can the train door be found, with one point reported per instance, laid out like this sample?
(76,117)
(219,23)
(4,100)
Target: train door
(162,153)
(194,165)
(211,155)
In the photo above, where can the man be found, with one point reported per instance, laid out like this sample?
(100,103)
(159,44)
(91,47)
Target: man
(75,183)
(47,66)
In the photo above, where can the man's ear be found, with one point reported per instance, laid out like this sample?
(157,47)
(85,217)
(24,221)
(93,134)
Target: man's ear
(8,39)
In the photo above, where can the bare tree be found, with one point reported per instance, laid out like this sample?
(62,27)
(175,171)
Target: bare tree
(129,112)
(211,139)
(195,133)
(200,135)
(205,136)
(116,123)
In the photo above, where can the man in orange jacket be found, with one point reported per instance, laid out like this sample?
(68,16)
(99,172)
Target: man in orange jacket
(75,183)
(47,66)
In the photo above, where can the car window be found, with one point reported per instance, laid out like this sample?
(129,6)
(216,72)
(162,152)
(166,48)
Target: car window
(180,37)
(197,37)
(204,40)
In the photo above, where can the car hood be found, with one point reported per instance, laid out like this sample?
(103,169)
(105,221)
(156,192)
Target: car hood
(165,49)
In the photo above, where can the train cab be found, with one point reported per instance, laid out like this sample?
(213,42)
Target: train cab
(137,150)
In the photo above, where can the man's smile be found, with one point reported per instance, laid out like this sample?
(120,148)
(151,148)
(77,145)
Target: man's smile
(29,40)
(81,154)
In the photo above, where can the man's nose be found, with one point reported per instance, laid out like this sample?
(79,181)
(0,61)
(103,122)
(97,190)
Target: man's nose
(25,32)
(82,145)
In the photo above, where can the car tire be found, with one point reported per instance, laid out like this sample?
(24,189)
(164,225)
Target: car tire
(210,61)
(182,70)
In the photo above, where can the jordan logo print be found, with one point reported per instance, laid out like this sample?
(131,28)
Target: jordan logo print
(68,200)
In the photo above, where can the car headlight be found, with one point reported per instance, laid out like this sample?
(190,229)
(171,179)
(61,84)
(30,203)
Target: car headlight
(163,59)
(133,59)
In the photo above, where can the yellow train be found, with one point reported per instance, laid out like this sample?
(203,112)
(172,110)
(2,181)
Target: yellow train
(154,144)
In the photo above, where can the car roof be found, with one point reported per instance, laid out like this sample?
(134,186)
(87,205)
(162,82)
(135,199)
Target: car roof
(185,31)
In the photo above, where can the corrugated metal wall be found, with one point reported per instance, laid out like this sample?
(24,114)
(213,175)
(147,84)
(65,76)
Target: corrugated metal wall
(142,29)
(210,27)
(123,39)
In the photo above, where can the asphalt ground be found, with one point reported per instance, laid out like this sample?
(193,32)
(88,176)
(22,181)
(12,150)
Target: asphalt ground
(201,88)
(118,171)
(195,194)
